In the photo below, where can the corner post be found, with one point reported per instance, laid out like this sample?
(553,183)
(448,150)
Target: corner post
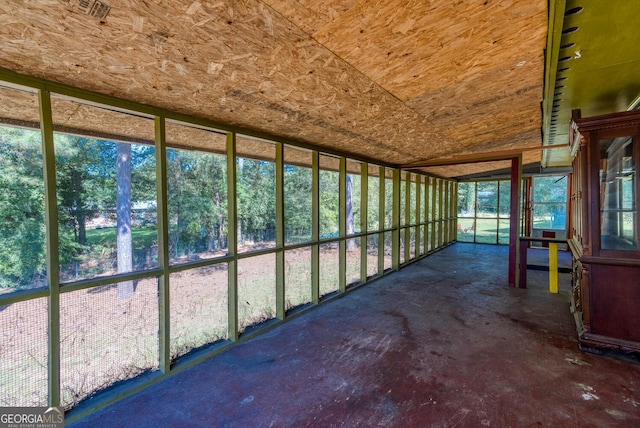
(514,222)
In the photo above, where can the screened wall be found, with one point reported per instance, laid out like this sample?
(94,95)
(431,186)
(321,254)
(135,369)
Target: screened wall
(483,211)
(134,241)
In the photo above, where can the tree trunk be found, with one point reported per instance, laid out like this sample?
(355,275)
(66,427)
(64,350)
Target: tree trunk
(222,240)
(216,230)
(176,240)
(211,239)
(81,216)
(123,218)
(351,243)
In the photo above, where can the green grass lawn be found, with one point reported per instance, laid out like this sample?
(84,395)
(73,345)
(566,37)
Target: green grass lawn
(142,236)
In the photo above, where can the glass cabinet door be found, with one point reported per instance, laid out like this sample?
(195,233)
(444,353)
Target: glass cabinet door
(618,194)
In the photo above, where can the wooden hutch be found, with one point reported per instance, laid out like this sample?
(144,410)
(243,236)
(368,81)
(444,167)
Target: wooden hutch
(604,238)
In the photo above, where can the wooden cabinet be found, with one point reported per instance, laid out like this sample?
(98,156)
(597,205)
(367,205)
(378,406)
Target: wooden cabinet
(604,236)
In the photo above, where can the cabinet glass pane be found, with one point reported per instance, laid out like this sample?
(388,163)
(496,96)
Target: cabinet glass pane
(617,194)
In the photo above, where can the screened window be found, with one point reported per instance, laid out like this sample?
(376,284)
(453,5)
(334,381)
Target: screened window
(22,210)
(353,198)
(196,195)
(373,198)
(484,211)
(106,181)
(329,197)
(297,195)
(256,194)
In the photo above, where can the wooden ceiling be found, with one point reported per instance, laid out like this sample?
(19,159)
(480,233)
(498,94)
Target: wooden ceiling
(395,81)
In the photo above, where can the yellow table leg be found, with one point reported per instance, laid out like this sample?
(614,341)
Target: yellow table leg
(553,267)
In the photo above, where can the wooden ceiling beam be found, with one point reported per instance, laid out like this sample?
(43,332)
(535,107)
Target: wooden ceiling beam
(478,157)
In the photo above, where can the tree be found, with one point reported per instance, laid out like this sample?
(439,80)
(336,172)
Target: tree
(373,202)
(83,174)
(22,225)
(197,199)
(212,182)
(351,243)
(256,200)
(297,203)
(466,198)
(123,216)
(85,179)
(329,203)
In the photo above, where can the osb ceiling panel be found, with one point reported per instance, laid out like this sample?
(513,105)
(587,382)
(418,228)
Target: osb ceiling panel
(393,81)
(311,15)
(412,48)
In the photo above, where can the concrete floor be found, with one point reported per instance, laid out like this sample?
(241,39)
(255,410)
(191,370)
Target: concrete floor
(441,343)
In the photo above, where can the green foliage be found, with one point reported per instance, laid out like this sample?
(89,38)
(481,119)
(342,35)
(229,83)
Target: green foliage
(373,202)
(388,203)
(487,202)
(297,203)
(466,198)
(329,203)
(504,198)
(256,200)
(87,191)
(550,189)
(22,225)
(197,202)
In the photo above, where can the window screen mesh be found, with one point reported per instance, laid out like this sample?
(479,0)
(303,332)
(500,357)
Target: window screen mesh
(199,299)
(23,354)
(105,339)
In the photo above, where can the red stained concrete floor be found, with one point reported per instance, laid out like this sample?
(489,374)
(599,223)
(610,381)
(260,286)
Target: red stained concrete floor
(442,343)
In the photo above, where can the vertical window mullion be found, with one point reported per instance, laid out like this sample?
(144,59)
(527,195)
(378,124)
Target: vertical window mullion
(434,230)
(407,217)
(163,247)
(475,211)
(395,250)
(364,219)
(426,215)
(381,212)
(280,284)
(439,194)
(454,225)
(315,228)
(53,261)
(342,229)
(445,212)
(418,216)
(232,244)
